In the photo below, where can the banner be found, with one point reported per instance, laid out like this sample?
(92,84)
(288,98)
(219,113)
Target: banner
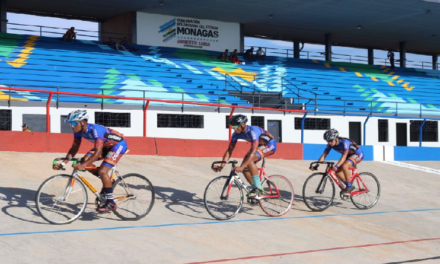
(189,33)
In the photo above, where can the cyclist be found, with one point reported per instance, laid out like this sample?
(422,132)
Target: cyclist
(351,155)
(110,145)
(262,145)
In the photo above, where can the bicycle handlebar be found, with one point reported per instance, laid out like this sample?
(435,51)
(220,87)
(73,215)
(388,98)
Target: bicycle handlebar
(329,164)
(75,160)
(233,162)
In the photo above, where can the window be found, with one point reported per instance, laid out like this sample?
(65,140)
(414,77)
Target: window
(5,120)
(257,121)
(109,119)
(227,121)
(429,132)
(313,123)
(383,130)
(180,121)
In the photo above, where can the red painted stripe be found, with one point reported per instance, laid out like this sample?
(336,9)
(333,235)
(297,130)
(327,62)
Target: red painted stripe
(318,250)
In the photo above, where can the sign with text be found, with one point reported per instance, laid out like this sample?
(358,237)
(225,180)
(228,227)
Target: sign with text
(181,32)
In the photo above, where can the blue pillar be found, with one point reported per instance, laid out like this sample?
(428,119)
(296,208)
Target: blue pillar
(365,130)
(421,134)
(302,128)
(328,47)
(402,50)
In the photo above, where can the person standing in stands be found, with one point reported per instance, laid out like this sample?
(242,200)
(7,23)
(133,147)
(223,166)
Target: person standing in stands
(249,53)
(391,58)
(70,35)
(260,54)
(224,56)
(25,128)
(234,57)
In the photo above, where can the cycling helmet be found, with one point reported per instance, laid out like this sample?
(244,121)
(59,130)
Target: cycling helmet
(238,120)
(77,116)
(331,134)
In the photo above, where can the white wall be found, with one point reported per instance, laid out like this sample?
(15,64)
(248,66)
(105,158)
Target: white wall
(216,35)
(214,125)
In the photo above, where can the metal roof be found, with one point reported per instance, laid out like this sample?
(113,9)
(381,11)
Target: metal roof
(383,23)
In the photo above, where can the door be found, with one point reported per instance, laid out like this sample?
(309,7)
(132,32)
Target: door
(354,131)
(274,127)
(65,128)
(401,134)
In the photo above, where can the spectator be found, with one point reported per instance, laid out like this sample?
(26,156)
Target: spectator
(260,54)
(224,56)
(125,45)
(391,58)
(70,34)
(234,57)
(25,128)
(249,53)
(116,45)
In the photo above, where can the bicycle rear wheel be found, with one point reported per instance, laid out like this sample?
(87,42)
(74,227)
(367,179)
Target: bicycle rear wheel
(318,192)
(223,198)
(282,204)
(365,199)
(134,196)
(61,199)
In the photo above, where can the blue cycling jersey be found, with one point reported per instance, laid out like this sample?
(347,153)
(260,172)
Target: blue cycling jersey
(344,145)
(252,134)
(96,132)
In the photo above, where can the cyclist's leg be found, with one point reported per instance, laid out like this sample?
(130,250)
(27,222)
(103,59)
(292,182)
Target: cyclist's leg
(86,157)
(110,160)
(351,162)
(250,171)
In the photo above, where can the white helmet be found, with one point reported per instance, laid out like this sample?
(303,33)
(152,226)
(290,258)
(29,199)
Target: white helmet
(77,116)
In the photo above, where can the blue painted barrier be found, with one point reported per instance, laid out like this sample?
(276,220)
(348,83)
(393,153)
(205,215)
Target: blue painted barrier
(416,153)
(314,151)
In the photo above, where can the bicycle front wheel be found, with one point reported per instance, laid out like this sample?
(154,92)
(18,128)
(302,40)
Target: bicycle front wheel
(318,192)
(366,191)
(279,205)
(134,196)
(223,198)
(61,199)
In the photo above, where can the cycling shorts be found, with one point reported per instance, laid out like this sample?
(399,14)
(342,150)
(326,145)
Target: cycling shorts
(111,155)
(265,151)
(356,157)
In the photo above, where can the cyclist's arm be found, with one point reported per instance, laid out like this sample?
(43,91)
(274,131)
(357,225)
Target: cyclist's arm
(323,156)
(228,152)
(342,159)
(74,149)
(99,144)
(251,156)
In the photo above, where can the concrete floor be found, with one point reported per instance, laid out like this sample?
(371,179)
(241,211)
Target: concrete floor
(403,227)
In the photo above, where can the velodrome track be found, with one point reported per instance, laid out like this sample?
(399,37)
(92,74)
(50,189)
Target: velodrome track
(402,228)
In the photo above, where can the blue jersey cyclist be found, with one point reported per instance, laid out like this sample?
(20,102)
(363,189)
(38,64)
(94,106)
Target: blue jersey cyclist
(351,155)
(110,145)
(262,145)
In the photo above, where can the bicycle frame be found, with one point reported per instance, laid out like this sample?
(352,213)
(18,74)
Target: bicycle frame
(233,176)
(76,176)
(354,175)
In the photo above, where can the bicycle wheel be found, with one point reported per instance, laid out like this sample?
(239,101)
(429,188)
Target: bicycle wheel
(61,199)
(318,192)
(223,201)
(282,204)
(134,196)
(365,199)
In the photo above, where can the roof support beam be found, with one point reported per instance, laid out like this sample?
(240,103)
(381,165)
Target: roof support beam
(370,56)
(435,62)
(402,50)
(3,16)
(328,47)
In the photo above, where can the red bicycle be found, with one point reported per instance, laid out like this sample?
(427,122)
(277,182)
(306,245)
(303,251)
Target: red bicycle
(319,188)
(224,194)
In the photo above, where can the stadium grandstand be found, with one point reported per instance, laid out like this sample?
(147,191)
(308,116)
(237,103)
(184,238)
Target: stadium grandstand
(156,73)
